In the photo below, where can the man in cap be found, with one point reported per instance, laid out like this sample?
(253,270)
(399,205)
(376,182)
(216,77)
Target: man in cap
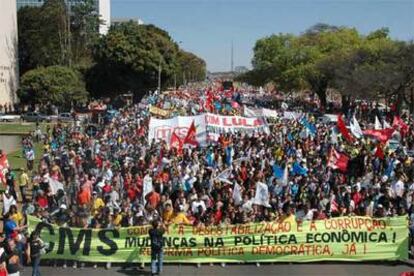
(61,216)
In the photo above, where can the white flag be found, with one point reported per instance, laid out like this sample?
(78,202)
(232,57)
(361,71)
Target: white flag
(262,194)
(269,113)
(334,137)
(55,186)
(377,123)
(386,124)
(261,90)
(7,202)
(285,179)
(224,176)
(147,187)
(237,197)
(356,129)
(248,112)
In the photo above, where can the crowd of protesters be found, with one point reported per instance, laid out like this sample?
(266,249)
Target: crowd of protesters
(103,174)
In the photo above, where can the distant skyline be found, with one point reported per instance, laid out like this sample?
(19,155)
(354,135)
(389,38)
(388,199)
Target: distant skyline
(207,27)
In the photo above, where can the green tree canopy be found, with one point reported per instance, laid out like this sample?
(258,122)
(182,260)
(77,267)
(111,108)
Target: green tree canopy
(381,68)
(40,42)
(190,67)
(327,56)
(84,31)
(55,35)
(298,62)
(57,85)
(127,59)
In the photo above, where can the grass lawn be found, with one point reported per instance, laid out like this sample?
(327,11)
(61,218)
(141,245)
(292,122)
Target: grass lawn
(23,128)
(17,161)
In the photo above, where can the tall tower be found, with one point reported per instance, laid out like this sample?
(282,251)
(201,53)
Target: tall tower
(232,60)
(8,52)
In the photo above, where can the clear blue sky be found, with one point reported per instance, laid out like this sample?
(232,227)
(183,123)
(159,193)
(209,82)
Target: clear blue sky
(207,27)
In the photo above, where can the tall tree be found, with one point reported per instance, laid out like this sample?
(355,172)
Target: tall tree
(190,67)
(380,69)
(57,85)
(55,34)
(84,31)
(29,38)
(42,43)
(297,62)
(128,57)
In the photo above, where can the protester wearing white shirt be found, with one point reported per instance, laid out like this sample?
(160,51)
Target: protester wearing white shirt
(398,188)
(196,204)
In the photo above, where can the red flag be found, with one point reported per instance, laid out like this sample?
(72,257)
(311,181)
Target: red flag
(399,124)
(334,206)
(344,131)
(141,131)
(382,135)
(4,164)
(191,136)
(338,160)
(209,102)
(379,152)
(176,142)
(201,105)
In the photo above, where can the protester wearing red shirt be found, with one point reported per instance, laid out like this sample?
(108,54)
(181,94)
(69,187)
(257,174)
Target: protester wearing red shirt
(42,200)
(356,197)
(84,196)
(107,188)
(153,199)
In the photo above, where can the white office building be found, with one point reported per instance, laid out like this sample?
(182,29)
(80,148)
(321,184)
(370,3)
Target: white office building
(8,52)
(105,13)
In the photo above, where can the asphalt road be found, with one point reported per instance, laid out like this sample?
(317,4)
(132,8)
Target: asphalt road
(239,270)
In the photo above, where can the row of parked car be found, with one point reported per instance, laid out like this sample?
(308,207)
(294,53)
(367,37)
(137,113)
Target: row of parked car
(36,117)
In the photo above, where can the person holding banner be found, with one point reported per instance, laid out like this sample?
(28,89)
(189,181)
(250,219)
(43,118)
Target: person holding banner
(157,244)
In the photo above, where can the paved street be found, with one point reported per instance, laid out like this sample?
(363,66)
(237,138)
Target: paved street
(240,270)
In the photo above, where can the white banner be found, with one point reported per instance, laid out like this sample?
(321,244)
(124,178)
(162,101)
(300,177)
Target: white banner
(217,124)
(261,112)
(251,112)
(160,129)
(269,113)
(291,115)
(214,125)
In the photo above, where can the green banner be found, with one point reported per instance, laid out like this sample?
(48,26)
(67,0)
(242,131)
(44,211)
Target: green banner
(337,239)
